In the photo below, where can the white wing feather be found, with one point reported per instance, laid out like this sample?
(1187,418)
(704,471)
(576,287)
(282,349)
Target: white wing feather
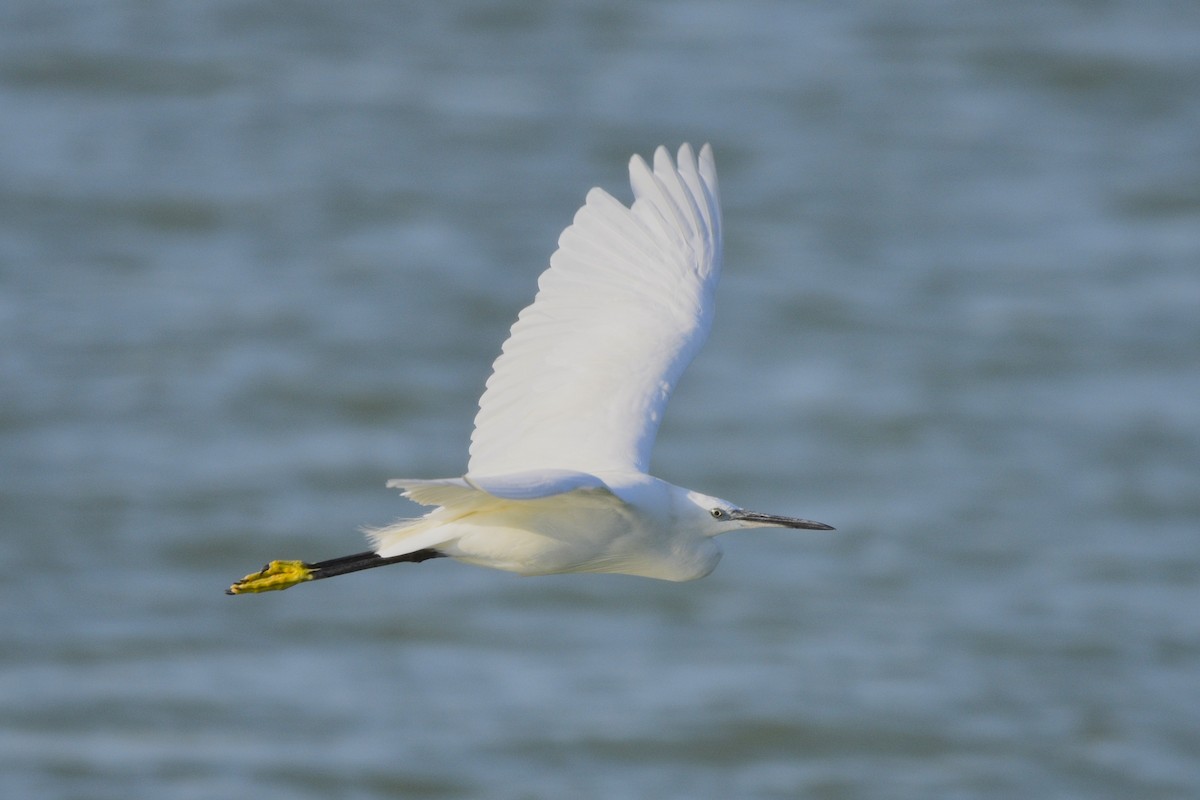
(586,372)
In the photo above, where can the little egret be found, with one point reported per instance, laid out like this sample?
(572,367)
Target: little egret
(556,480)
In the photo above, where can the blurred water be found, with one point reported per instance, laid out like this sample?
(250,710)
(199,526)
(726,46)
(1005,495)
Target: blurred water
(256,258)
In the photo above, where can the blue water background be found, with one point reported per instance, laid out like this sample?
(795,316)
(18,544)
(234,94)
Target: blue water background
(257,257)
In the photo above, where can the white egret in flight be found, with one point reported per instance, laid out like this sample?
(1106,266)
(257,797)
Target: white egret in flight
(557,478)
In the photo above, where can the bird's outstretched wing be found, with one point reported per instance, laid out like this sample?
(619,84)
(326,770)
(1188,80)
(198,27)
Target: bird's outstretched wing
(586,372)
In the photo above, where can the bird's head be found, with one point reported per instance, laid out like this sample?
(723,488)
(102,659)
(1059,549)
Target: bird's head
(719,516)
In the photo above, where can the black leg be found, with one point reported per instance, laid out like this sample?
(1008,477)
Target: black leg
(367,560)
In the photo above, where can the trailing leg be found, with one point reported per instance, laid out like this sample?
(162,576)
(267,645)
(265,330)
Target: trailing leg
(279,575)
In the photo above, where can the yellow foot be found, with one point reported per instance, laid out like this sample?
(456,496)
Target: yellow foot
(273,577)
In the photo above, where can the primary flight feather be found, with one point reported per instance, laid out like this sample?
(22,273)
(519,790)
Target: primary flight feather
(557,478)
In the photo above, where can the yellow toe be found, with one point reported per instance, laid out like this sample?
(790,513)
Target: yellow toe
(273,577)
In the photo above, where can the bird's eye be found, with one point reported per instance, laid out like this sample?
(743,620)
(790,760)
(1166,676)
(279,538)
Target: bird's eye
(718,513)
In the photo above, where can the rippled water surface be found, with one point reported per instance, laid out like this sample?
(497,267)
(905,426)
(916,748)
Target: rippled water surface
(256,258)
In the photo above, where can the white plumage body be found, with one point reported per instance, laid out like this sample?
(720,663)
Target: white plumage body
(627,524)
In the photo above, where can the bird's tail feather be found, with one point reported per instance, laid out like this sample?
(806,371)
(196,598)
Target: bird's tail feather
(454,498)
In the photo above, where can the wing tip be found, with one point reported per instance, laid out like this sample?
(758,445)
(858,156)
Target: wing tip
(685,158)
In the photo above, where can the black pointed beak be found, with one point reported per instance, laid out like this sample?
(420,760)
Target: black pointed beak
(775,521)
